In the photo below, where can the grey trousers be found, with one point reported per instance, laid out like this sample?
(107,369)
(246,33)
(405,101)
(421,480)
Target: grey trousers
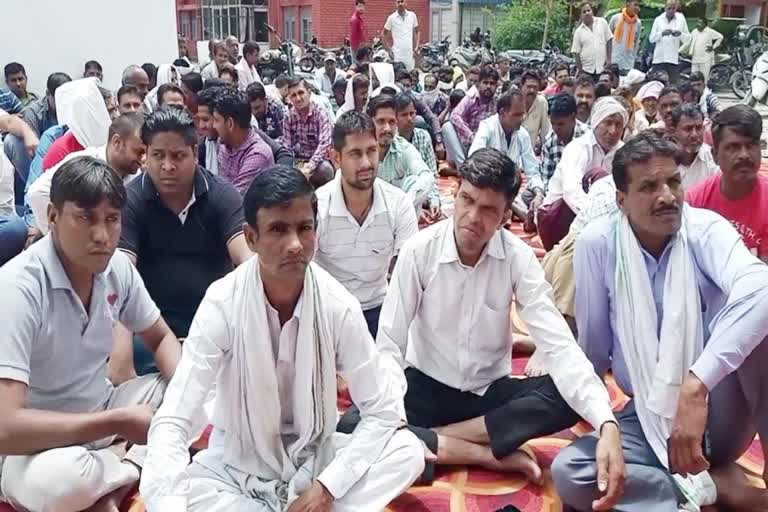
(738,409)
(454,150)
(73,478)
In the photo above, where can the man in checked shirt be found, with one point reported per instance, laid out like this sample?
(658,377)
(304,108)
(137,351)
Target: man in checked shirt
(307,131)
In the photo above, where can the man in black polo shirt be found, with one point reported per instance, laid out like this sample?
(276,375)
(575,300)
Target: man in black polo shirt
(182,225)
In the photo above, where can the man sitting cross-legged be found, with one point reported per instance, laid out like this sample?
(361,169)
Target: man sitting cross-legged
(59,415)
(272,336)
(669,297)
(446,319)
(362,221)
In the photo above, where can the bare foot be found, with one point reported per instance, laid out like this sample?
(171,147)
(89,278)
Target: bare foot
(735,491)
(521,462)
(537,365)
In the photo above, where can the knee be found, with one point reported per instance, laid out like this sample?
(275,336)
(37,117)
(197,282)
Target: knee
(575,477)
(406,451)
(59,479)
(323,174)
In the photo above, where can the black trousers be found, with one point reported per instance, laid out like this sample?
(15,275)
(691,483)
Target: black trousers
(673,70)
(372,319)
(515,410)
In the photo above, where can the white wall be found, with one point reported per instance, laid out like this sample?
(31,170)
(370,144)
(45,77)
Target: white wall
(61,35)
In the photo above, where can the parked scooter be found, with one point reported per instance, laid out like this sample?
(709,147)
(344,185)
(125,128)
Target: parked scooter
(434,54)
(758,90)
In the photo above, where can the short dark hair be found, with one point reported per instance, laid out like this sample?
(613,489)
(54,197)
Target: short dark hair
(640,149)
(490,168)
(250,47)
(229,69)
(561,67)
(150,69)
(404,75)
(193,81)
(339,84)
(697,76)
(274,186)
(489,73)
(585,81)
(14,68)
(505,101)
(165,89)
(606,71)
(359,2)
(87,181)
(216,82)
(363,53)
(351,123)
(127,90)
(256,91)
(403,101)
(743,120)
(669,89)
(181,63)
(235,105)
(56,80)
(602,90)
(93,64)
(282,80)
(529,74)
(207,97)
(126,125)
(295,81)
(388,90)
(562,105)
(568,82)
(474,70)
(688,110)
(166,120)
(456,96)
(380,102)
(360,81)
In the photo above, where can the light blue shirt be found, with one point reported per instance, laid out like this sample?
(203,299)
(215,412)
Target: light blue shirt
(733,285)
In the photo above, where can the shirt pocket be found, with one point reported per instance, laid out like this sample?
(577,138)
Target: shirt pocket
(492,337)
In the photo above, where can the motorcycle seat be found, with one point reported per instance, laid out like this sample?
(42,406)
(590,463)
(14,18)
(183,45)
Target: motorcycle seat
(330,50)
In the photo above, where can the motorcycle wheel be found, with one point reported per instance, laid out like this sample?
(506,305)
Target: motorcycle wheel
(741,83)
(718,77)
(306,65)
(425,66)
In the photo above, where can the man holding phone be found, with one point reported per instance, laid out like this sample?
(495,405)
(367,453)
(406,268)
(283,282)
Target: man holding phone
(669,32)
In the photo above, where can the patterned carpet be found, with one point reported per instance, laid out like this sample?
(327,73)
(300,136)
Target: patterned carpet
(465,489)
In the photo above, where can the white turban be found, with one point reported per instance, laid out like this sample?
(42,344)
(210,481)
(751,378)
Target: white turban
(634,77)
(606,107)
(650,90)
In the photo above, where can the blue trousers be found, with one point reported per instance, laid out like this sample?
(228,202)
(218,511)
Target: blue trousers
(13,236)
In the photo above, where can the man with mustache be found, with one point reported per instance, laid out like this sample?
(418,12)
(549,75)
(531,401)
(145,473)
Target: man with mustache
(401,164)
(363,221)
(466,117)
(669,99)
(460,398)
(536,120)
(271,336)
(182,227)
(585,98)
(696,161)
(670,299)
(739,193)
(59,413)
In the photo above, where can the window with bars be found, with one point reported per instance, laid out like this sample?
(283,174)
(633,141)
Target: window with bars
(306,24)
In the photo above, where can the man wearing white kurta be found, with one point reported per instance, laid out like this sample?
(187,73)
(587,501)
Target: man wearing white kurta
(682,306)
(703,44)
(272,335)
(247,73)
(403,27)
(461,399)
(669,32)
(362,221)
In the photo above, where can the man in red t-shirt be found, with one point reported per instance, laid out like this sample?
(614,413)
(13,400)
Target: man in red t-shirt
(357,35)
(740,193)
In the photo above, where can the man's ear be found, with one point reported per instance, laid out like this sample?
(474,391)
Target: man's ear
(620,198)
(506,218)
(336,158)
(251,236)
(52,214)
(715,155)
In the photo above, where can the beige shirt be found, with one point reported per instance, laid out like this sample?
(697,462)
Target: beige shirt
(536,120)
(590,45)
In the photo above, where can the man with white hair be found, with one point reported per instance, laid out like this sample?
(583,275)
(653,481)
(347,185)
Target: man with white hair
(136,76)
(584,160)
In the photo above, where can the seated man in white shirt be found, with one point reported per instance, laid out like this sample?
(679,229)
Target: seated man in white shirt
(59,414)
(272,336)
(247,73)
(328,75)
(670,298)
(446,319)
(363,221)
(697,163)
(504,131)
(585,159)
(124,153)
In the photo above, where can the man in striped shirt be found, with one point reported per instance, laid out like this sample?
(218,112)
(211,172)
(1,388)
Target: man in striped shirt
(362,220)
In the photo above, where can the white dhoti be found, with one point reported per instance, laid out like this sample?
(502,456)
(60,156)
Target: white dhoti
(705,67)
(216,487)
(73,478)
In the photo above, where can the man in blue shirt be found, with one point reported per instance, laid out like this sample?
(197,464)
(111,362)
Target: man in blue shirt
(688,346)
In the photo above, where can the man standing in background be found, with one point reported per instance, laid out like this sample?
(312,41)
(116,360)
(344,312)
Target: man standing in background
(401,35)
(702,45)
(627,31)
(669,31)
(591,42)
(357,35)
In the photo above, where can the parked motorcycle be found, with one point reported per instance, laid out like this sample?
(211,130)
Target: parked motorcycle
(314,56)
(278,61)
(758,89)
(752,44)
(468,55)
(434,54)
(380,54)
